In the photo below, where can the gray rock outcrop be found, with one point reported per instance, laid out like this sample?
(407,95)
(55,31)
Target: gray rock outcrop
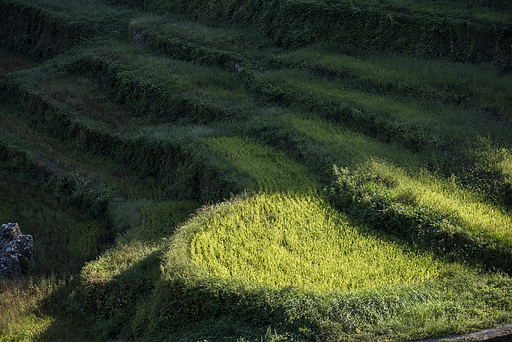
(16,250)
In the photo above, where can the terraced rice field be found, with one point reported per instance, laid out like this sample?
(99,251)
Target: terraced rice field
(256,171)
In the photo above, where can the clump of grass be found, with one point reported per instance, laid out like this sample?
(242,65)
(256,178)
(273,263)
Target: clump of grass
(116,260)
(490,157)
(478,216)
(28,328)
(431,213)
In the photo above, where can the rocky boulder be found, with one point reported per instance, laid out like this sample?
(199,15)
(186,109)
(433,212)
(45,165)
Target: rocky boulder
(16,250)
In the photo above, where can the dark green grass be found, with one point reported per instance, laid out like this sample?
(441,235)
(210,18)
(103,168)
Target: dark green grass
(491,11)
(66,237)
(65,156)
(10,62)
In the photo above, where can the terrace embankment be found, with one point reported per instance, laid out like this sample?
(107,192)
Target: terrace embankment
(467,38)
(36,32)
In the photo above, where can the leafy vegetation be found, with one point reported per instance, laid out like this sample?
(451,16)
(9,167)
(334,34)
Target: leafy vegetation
(257,170)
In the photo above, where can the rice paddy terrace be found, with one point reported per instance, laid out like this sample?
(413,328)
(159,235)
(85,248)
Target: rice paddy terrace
(257,170)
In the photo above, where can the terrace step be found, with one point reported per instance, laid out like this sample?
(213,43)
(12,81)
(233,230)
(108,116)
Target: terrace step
(182,165)
(42,33)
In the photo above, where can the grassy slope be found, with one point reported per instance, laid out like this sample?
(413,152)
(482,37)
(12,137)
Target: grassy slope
(108,149)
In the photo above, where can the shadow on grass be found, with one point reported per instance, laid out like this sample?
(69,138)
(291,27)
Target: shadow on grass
(137,304)
(90,309)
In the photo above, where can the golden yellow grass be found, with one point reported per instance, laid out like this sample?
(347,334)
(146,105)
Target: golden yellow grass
(276,240)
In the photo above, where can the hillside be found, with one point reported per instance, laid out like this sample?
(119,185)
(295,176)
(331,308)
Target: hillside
(259,170)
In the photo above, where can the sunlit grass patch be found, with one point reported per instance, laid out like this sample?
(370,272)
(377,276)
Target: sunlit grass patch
(19,300)
(347,147)
(282,240)
(116,261)
(275,240)
(344,147)
(28,328)
(272,170)
(408,175)
(476,214)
